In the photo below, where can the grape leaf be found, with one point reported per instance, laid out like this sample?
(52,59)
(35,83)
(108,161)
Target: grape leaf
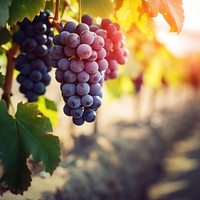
(23,135)
(128,13)
(4,11)
(48,108)
(171,10)
(2,77)
(24,8)
(4,36)
(102,8)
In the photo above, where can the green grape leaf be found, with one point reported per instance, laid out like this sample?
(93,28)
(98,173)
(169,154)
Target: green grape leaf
(4,11)
(102,8)
(24,8)
(23,135)
(48,108)
(2,77)
(4,36)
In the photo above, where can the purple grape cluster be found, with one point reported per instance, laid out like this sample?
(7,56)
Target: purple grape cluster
(79,58)
(35,38)
(116,52)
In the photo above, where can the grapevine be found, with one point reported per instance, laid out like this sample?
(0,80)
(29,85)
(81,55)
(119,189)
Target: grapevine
(85,51)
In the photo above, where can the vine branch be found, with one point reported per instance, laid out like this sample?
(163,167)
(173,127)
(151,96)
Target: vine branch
(79,11)
(11,54)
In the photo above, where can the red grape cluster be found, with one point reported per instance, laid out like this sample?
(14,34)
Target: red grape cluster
(79,58)
(35,38)
(116,52)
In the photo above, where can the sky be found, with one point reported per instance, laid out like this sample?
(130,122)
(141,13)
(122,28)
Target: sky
(188,40)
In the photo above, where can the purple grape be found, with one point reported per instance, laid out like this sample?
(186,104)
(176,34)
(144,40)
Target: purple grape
(69,76)
(76,65)
(78,121)
(63,64)
(84,51)
(95,89)
(69,52)
(83,77)
(81,27)
(74,101)
(87,37)
(91,67)
(97,102)
(87,19)
(98,42)
(82,89)
(73,40)
(76,112)
(95,78)
(56,52)
(68,89)
(63,37)
(89,115)
(86,101)
(35,75)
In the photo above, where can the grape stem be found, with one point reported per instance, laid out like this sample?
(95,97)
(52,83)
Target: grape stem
(79,9)
(11,55)
(56,17)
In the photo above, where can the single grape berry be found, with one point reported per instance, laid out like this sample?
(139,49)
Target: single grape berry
(34,38)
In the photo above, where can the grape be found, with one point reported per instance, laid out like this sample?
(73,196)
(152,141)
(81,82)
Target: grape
(29,45)
(80,61)
(35,75)
(95,78)
(27,84)
(41,51)
(103,64)
(31,96)
(59,75)
(66,110)
(74,101)
(96,102)
(29,30)
(87,37)
(25,69)
(89,115)
(62,37)
(82,89)
(87,19)
(82,27)
(76,112)
(76,65)
(83,77)
(91,67)
(84,51)
(95,89)
(56,52)
(78,121)
(73,40)
(40,39)
(69,76)
(40,28)
(69,52)
(33,62)
(70,27)
(98,42)
(86,101)
(39,88)
(68,89)
(105,22)
(63,64)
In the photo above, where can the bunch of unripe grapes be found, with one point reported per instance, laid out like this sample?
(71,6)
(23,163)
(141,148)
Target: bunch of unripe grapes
(84,55)
(35,39)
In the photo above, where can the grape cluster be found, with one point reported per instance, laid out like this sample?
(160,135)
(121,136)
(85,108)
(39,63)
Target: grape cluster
(79,58)
(116,52)
(34,38)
